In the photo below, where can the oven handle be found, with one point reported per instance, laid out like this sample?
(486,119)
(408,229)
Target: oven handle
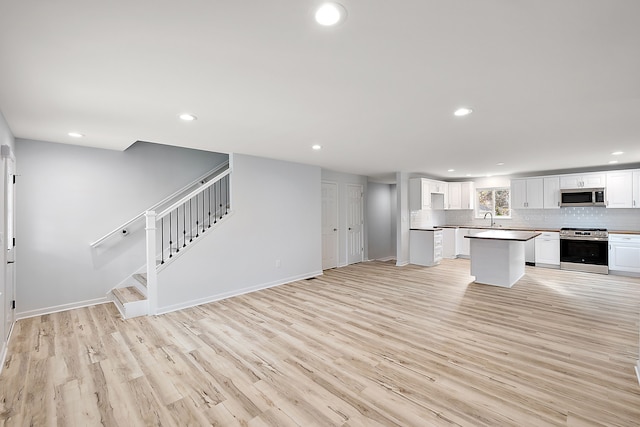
(588,239)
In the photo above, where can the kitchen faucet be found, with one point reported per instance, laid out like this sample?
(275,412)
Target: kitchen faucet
(491,217)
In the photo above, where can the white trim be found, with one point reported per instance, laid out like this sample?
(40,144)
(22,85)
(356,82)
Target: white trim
(402,264)
(225,295)
(637,367)
(63,307)
(385,259)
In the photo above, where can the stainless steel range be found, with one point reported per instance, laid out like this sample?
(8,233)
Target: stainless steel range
(584,249)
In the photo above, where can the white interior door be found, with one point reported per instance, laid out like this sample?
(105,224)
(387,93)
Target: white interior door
(355,224)
(9,244)
(329,225)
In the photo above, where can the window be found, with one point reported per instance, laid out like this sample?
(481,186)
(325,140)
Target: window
(494,200)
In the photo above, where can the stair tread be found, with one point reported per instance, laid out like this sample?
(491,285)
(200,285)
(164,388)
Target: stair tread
(128,294)
(142,278)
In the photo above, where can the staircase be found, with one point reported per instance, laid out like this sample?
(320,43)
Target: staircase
(169,235)
(132,300)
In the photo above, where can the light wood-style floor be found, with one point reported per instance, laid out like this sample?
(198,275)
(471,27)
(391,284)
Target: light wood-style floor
(366,345)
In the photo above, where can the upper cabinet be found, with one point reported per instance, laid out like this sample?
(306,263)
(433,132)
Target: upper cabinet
(527,193)
(551,192)
(427,194)
(619,190)
(461,195)
(588,180)
(419,194)
(636,189)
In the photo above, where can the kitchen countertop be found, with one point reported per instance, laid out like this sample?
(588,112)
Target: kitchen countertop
(521,236)
(479,227)
(426,229)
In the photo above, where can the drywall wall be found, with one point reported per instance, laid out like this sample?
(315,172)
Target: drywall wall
(273,236)
(380,225)
(69,196)
(343,180)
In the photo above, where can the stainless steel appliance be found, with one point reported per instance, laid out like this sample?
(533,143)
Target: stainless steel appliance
(584,249)
(582,197)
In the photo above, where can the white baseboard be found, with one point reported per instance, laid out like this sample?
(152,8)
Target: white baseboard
(402,264)
(385,259)
(63,307)
(235,293)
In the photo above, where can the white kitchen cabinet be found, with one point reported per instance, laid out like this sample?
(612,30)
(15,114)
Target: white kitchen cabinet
(636,189)
(463,246)
(548,249)
(425,247)
(449,242)
(419,194)
(527,193)
(589,180)
(551,190)
(624,253)
(619,189)
(461,195)
(455,195)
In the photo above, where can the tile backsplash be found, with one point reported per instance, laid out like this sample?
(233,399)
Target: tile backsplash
(584,217)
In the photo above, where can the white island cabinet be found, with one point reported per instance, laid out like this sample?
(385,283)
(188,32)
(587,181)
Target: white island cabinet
(425,246)
(498,256)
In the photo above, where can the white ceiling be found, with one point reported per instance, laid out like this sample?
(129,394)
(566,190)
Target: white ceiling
(553,84)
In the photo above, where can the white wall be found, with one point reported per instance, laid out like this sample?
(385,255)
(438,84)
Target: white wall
(380,199)
(344,179)
(69,196)
(272,237)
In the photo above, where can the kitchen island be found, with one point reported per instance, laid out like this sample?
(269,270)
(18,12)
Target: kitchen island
(498,256)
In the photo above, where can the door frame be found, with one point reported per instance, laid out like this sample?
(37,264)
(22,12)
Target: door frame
(337,216)
(362,234)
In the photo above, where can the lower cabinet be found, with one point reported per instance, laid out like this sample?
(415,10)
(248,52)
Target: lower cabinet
(425,247)
(548,249)
(624,253)
(462,247)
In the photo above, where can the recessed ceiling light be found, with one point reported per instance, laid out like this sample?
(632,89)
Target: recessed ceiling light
(500,164)
(316,147)
(612,162)
(188,117)
(75,134)
(617,153)
(330,14)
(468,174)
(464,111)
(451,170)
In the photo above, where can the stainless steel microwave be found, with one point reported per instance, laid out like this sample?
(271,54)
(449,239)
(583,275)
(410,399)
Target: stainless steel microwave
(582,197)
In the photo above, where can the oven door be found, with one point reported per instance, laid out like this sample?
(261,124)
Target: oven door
(584,255)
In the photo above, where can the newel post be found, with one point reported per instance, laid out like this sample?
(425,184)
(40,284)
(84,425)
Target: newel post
(152,274)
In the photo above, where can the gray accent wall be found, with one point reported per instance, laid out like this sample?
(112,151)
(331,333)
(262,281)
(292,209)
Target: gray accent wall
(273,236)
(381,203)
(69,196)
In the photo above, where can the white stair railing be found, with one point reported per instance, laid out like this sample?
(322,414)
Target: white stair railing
(171,231)
(122,230)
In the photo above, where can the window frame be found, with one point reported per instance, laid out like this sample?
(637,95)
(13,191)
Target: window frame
(480,215)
